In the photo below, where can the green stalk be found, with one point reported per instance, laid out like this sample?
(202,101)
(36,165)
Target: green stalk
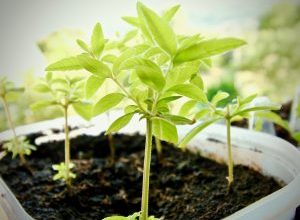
(12,127)
(67,146)
(158,147)
(230,162)
(146,175)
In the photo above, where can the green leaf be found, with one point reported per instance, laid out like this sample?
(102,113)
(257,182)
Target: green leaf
(120,123)
(180,74)
(208,48)
(178,120)
(186,108)
(49,76)
(191,134)
(203,112)
(254,109)
(219,97)
(169,14)
(109,58)
(273,117)
(148,72)
(107,102)
(296,136)
(92,85)
(166,100)
(42,104)
(159,28)
(131,20)
(65,64)
(97,40)
(94,66)
(246,100)
(190,91)
(42,87)
(83,45)
(164,130)
(130,109)
(197,81)
(84,109)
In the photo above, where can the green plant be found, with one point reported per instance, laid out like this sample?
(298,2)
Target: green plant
(158,68)
(236,110)
(65,92)
(17,145)
(135,216)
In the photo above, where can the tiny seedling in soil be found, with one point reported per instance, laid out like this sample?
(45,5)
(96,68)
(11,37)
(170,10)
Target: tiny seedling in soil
(65,92)
(236,110)
(18,146)
(158,68)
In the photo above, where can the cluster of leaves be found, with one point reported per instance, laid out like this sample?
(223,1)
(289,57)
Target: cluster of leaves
(21,146)
(63,172)
(65,92)
(135,216)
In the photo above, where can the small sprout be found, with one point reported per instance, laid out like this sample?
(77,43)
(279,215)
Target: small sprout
(237,109)
(65,92)
(135,216)
(17,145)
(63,172)
(22,148)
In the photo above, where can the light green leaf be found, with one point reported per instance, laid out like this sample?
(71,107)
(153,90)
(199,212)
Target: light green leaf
(218,97)
(109,58)
(178,120)
(131,20)
(166,100)
(164,130)
(97,40)
(197,81)
(65,64)
(83,45)
(246,100)
(208,48)
(107,102)
(254,109)
(92,85)
(159,28)
(148,72)
(42,87)
(191,134)
(130,109)
(186,108)
(169,14)
(49,76)
(94,66)
(203,112)
(273,117)
(84,109)
(120,123)
(42,104)
(190,91)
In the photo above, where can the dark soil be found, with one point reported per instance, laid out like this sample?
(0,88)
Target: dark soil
(183,185)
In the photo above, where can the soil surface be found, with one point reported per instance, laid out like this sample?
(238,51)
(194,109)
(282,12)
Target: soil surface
(183,185)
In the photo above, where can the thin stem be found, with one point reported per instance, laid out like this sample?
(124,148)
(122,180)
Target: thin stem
(158,147)
(146,175)
(12,127)
(111,147)
(67,146)
(230,162)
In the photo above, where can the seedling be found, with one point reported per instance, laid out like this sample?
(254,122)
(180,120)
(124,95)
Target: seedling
(65,92)
(148,74)
(17,145)
(237,109)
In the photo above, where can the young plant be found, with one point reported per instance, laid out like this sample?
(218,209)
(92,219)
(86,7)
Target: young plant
(65,92)
(148,74)
(238,109)
(17,145)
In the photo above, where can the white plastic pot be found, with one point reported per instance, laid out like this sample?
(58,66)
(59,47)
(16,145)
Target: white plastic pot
(265,153)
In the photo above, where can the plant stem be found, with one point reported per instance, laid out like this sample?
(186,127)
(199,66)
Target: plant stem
(67,146)
(146,175)
(230,162)
(158,147)
(12,127)
(111,146)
